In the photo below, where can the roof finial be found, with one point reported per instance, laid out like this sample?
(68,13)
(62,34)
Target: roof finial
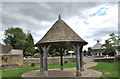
(59,17)
(98,41)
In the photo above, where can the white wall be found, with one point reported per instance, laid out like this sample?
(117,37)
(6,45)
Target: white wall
(15,51)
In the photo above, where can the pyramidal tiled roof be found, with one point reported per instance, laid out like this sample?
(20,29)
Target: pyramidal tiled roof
(60,32)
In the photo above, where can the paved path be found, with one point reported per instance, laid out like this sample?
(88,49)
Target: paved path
(66,72)
(90,72)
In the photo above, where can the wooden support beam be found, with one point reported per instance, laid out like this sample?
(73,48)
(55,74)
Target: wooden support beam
(61,57)
(81,59)
(45,65)
(41,59)
(45,51)
(78,72)
(61,51)
(41,62)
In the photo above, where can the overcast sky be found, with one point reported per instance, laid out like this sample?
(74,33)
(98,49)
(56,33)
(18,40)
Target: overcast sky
(90,20)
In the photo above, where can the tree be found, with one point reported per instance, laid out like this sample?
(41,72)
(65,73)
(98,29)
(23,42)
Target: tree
(29,48)
(114,40)
(14,37)
(89,51)
(111,45)
(19,40)
(85,52)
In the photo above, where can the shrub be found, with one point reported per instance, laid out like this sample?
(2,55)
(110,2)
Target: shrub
(37,54)
(57,54)
(49,55)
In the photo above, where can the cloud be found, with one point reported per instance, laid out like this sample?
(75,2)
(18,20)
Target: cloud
(40,11)
(99,27)
(90,20)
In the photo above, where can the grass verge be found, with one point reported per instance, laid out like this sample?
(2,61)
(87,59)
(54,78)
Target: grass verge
(108,69)
(21,70)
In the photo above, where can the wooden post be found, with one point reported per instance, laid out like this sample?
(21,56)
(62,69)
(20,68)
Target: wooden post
(78,72)
(45,60)
(41,59)
(61,57)
(81,59)
(61,51)
(45,51)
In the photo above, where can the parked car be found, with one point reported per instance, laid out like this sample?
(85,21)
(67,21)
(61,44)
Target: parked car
(28,57)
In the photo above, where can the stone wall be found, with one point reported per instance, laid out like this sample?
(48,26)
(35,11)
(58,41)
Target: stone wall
(11,59)
(109,60)
(5,49)
(54,60)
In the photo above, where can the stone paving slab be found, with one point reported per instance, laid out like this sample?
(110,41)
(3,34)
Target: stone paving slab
(70,72)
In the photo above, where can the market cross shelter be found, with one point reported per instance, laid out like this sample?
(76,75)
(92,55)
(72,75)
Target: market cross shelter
(60,37)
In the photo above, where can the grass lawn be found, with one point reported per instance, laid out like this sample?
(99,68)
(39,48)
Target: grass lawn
(108,69)
(17,73)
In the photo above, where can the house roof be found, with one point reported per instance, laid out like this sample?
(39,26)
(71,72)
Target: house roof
(98,46)
(60,32)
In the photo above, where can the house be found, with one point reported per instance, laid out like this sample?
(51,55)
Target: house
(98,49)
